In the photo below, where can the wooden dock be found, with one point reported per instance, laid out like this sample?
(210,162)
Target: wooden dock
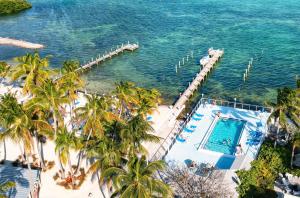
(214,57)
(100,59)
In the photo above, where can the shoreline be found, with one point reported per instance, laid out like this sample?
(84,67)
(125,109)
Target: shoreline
(20,43)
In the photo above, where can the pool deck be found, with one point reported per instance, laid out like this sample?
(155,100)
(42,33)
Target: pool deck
(256,121)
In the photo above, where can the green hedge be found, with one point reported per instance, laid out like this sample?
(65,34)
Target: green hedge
(259,180)
(13,6)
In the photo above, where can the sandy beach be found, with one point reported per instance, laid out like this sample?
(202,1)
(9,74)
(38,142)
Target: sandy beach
(49,188)
(20,43)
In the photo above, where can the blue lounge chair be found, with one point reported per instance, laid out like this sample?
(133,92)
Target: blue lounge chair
(252,142)
(193,126)
(199,114)
(259,124)
(179,139)
(149,118)
(188,130)
(196,118)
(255,134)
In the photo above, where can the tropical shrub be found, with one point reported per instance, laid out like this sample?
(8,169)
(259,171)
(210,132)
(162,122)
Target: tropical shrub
(13,6)
(260,179)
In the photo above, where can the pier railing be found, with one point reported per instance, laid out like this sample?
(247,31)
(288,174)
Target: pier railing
(234,104)
(107,55)
(170,140)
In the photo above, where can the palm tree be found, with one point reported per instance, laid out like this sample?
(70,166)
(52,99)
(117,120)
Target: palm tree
(286,108)
(137,179)
(16,122)
(103,153)
(138,131)
(64,142)
(95,114)
(125,93)
(6,186)
(9,108)
(4,69)
(33,69)
(70,66)
(42,130)
(148,101)
(50,97)
(70,82)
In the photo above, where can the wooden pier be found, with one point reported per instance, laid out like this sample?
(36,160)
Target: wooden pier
(214,57)
(100,59)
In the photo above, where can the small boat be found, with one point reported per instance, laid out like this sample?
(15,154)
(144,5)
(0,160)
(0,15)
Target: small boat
(204,60)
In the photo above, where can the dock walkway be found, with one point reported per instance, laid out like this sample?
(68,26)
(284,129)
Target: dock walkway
(214,56)
(100,59)
(171,126)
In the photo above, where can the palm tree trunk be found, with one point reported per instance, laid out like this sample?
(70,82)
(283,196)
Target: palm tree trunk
(100,185)
(121,110)
(4,148)
(61,167)
(22,153)
(71,170)
(55,124)
(292,158)
(277,133)
(81,153)
(42,153)
(42,163)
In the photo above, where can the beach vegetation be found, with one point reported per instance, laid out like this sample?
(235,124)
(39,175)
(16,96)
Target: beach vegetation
(107,132)
(4,68)
(286,111)
(137,179)
(260,179)
(4,187)
(13,6)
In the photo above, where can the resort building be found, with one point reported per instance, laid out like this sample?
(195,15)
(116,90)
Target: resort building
(26,180)
(217,133)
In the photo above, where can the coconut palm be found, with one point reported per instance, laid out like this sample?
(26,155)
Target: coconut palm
(125,93)
(70,82)
(17,124)
(33,69)
(4,187)
(50,97)
(95,114)
(147,101)
(103,153)
(137,179)
(4,69)
(70,66)
(64,142)
(285,109)
(138,130)
(42,131)
(9,109)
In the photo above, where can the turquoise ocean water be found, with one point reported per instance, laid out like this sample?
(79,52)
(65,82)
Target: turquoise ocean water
(267,30)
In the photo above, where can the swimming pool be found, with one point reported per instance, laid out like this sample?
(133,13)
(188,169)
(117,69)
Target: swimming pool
(225,135)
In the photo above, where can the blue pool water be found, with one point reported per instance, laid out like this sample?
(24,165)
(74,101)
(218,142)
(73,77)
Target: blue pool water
(225,136)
